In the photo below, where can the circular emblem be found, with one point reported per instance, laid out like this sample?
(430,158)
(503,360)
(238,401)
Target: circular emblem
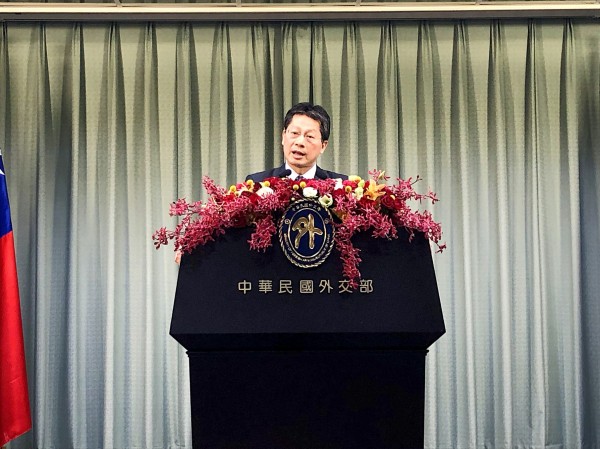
(306,233)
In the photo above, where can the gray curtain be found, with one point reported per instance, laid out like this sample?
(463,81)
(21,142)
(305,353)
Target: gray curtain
(103,125)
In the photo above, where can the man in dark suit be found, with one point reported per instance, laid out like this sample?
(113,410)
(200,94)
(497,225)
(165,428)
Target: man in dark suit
(304,138)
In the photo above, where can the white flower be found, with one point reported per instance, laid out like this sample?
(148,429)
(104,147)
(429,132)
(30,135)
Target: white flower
(358,193)
(326,200)
(309,192)
(264,191)
(338,184)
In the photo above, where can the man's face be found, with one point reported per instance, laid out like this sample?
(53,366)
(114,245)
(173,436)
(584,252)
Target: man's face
(302,143)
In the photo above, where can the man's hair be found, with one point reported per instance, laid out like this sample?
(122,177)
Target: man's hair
(315,112)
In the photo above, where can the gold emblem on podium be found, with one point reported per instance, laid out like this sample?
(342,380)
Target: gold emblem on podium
(306,233)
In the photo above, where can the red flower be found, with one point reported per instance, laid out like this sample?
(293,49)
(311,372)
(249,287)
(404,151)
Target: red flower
(366,202)
(388,201)
(352,184)
(239,221)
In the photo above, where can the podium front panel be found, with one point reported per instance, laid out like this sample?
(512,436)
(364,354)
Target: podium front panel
(231,298)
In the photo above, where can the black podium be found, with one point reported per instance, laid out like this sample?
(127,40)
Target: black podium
(283,357)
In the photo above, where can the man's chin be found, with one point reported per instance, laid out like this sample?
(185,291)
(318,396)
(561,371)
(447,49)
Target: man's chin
(298,168)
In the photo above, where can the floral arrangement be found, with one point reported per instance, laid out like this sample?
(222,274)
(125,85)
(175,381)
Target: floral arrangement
(359,205)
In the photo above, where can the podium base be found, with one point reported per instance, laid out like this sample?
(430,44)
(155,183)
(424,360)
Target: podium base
(344,399)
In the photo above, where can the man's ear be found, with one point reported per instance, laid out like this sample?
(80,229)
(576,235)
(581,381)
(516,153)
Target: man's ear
(324,145)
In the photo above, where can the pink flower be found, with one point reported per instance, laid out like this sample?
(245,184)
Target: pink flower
(179,207)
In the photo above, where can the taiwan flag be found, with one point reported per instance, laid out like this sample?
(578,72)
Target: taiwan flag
(15,417)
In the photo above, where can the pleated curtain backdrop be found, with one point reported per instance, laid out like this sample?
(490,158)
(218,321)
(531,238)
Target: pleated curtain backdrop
(103,125)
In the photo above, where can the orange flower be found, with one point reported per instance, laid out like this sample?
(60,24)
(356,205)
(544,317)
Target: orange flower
(374,190)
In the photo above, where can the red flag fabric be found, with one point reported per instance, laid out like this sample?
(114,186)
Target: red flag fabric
(15,417)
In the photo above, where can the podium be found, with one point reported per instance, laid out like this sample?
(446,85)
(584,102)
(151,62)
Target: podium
(283,357)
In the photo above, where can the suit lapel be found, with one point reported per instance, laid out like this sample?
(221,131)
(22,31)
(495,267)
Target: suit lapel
(321,174)
(278,172)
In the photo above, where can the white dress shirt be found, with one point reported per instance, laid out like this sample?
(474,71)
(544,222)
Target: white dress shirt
(310,174)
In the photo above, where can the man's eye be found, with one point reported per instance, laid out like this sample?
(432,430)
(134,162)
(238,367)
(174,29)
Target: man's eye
(309,137)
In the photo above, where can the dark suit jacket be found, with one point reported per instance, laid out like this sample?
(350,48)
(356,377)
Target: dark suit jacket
(278,172)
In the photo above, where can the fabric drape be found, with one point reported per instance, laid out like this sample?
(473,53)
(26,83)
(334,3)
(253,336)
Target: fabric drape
(103,125)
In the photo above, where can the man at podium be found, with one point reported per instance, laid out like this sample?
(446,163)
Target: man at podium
(304,138)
